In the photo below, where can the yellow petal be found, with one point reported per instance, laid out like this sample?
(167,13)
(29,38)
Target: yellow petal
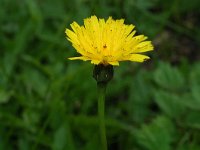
(138,57)
(114,63)
(80,58)
(72,36)
(143,47)
(75,26)
(96,62)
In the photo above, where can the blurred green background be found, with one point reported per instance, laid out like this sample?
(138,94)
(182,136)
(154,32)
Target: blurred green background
(48,102)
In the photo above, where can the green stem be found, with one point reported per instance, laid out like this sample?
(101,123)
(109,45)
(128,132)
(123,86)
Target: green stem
(101,109)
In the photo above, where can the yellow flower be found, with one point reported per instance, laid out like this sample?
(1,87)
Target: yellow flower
(107,42)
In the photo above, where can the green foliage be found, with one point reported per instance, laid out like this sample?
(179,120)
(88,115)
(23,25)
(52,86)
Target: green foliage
(49,102)
(157,135)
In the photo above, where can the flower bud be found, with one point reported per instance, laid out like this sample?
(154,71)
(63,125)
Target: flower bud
(103,74)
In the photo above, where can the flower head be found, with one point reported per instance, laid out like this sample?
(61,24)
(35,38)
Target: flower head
(107,42)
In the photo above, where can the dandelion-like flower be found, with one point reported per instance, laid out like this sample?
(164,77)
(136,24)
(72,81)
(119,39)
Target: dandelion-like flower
(107,42)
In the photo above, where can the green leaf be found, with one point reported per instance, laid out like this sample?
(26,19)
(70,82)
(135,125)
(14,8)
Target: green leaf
(192,119)
(139,97)
(5,96)
(194,78)
(191,98)
(169,103)
(35,81)
(168,77)
(63,138)
(189,146)
(157,135)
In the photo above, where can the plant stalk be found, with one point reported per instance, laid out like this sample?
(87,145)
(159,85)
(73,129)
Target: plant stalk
(101,109)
